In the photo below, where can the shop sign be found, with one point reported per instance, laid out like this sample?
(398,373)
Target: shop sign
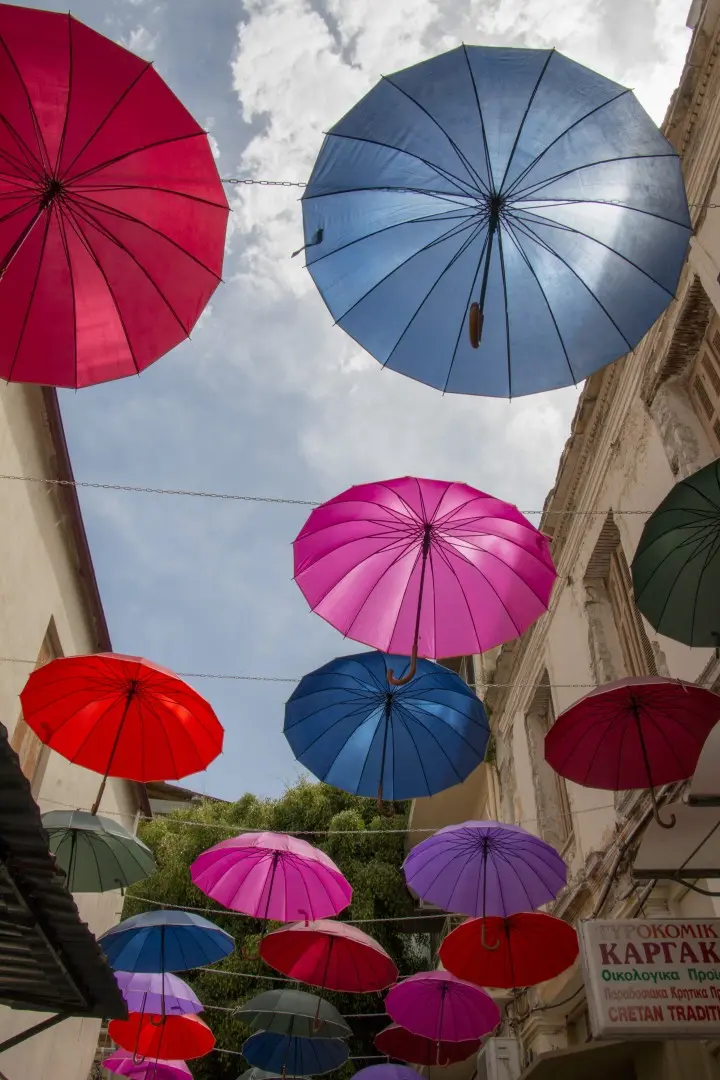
(652,978)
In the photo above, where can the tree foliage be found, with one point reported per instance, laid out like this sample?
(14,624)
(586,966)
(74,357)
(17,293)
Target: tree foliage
(371,862)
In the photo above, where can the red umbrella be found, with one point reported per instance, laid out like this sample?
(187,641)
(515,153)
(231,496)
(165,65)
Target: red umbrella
(113,215)
(633,733)
(398,1043)
(332,955)
(532,947)
(121,716)
(178,1037)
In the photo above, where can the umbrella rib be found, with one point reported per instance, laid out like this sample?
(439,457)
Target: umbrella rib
(463,160)
(528,107)
(27,165)
(107,116)
(526,260)
(66,249)
(529,192)
(539,220)
(42,149)
(507,313)
(697,542)
(669,719)
(408,546)
(31,298)
(461,200)
(61,143)
(78,192)
(430,733)
(488,166)
(712,550)
(524,227)
(615,203)
(444,173)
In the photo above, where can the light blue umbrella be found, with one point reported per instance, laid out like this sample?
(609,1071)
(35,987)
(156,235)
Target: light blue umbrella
(506,198)
(160,941)
(352,729)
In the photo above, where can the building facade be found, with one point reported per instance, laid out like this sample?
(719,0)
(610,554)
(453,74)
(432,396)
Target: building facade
(49,606)
(641,424)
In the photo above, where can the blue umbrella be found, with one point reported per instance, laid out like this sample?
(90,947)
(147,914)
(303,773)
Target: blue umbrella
(293,1056)
(352,729)
(160,941)
(511,193)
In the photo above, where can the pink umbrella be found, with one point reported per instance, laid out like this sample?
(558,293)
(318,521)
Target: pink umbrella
(123,1063)
(423,567)
(272,876)
(440,1007)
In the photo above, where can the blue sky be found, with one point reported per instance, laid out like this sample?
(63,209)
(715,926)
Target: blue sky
(268,398)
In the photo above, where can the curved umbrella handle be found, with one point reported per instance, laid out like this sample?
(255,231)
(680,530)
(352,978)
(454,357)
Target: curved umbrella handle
(483,940)
(664,824)
(411,673)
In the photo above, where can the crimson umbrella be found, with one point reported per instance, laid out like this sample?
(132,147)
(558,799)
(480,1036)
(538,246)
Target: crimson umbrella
(121,716)
(397,1042)
(113,216)
(178,1037)
(633,733)
(533,947)
(331,955)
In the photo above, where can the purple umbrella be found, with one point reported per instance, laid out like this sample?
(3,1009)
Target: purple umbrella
(485,868)
(441,1007)
(387,1072)
(124,1063)
(146,992)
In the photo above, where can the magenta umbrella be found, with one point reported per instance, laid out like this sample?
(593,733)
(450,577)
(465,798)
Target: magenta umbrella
(423,567)
(148,992)
(272,876)
(123,1063)
(441,1007)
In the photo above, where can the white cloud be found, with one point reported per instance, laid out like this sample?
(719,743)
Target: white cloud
(140,41)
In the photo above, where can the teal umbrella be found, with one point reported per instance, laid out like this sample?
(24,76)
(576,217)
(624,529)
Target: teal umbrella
(294,1012)
(676,569)
(96,853)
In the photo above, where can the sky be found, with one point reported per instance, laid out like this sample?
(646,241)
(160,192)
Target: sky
(268,398)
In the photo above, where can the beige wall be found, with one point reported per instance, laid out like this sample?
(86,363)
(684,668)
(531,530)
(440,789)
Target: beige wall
(39,582)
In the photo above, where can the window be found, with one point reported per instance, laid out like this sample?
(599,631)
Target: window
(551,798)
(33,754)
(704,384)
(637,651)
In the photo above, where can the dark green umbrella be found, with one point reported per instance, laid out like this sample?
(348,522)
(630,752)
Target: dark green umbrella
(95,852)
(260,1074)
(676,569)
(294,1012)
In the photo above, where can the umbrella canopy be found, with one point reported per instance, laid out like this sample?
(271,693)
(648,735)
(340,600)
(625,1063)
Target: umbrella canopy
(634,733)
(96,853)
(533,947)
(387,1072)
(114,216)
(160,941)
(121,716)
(332,955)
(149,992)
(354,731)
(397,1042)
(179,1037)
(124,1063)
(294,1012)
(258,1074)
(439,1006)
(423,567)
(509,192)
(272,876)
(676,569)
(289,1055)
(485,868)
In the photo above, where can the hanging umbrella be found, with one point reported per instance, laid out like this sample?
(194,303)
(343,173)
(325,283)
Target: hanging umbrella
(354,731)
(291,1056)
(114,216)
(121,716)
(508,192)
(178,1037)
(125,1064)
(485,868)
(272,876)
(258,1074)
(439,1006)
(160,941)
(633,733)
(387,1072)
(397,1042)
(331,955)
(148,992)
(676,569)
(423,567)
(96,853)
(533,948)
(293,1012)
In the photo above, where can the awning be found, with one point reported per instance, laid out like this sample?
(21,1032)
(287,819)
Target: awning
(49,960)
(691,849)
(593,1061)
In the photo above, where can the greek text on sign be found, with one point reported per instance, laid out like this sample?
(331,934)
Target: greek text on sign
(652,978)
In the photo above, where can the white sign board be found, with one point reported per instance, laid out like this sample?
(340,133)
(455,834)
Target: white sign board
(652,978)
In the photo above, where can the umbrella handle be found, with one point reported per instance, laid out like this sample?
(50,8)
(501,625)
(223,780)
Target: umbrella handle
(483,940)
(663,824)
(411,673)
(475,323)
